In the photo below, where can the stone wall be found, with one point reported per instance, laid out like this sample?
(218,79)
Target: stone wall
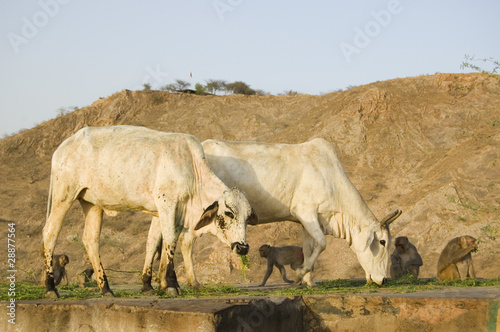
(468,309)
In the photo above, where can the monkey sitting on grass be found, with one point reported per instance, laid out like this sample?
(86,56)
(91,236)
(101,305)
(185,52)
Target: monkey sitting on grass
(455,261)
(279,256)
(405,259)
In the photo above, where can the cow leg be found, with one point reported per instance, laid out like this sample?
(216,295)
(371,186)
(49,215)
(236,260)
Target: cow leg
(50,233)
(166,273)
(169,278)
(90,239)
(307,248)
(154,240)
(187,240)
(311,226)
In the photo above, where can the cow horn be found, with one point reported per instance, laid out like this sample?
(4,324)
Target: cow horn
(391,217)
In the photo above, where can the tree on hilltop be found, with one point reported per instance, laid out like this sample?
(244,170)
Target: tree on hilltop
(470,62)
(213,86)
(178,86)
(240,87)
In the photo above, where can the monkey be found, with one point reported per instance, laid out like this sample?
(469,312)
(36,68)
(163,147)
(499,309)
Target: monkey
(405,259)
(58,265)
(455,261)
(279,256)
(85,276)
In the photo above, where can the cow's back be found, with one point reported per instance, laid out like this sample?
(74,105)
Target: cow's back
(277,176)
(125,165)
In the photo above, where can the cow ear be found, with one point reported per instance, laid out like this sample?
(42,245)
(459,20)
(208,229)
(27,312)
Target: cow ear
(369,239)
(208,216)
(253,219)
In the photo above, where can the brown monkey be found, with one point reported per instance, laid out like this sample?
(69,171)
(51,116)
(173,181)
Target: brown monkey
(455,261)
(58,265)
(279,256)
(405,259)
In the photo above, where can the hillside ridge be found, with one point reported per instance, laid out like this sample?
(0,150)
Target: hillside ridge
(429,145)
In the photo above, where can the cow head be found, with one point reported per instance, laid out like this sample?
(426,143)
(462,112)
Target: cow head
(230,216)
(372,245)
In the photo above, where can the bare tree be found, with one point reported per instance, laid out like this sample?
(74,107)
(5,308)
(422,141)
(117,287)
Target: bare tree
(66,110)
(470,62)
(182,85)
(214,86)
(178,86)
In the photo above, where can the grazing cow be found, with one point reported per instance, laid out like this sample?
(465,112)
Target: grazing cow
(305,183)
(122,168)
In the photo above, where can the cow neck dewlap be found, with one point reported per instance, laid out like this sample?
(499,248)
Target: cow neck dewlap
(348,222)
(342,226)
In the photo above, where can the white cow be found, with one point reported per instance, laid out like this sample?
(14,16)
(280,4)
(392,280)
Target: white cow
(124,168)
(304,183)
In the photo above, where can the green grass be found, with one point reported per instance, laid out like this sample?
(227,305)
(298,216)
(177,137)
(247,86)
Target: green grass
(245,265)
(341,286)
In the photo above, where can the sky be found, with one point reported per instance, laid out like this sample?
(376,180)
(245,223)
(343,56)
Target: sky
(69,53)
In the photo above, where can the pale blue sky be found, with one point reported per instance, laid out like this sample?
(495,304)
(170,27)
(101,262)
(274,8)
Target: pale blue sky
(56,53)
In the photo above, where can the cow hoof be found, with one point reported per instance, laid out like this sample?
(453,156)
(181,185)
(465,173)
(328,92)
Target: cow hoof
(308,280)
(197,286)
(172,291)
(299,274)
(51,295)
(147,289)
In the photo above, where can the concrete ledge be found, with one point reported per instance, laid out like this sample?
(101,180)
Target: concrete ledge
(451,309)
(236,314)
(467,309)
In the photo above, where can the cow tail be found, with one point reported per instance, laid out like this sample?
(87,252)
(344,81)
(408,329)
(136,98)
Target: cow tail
(49,205)
(158,249)
(49,200)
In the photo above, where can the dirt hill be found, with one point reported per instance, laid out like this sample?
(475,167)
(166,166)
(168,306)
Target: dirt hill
(429,145)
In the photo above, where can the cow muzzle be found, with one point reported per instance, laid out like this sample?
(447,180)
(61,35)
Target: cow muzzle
(378,281)
(240,248)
